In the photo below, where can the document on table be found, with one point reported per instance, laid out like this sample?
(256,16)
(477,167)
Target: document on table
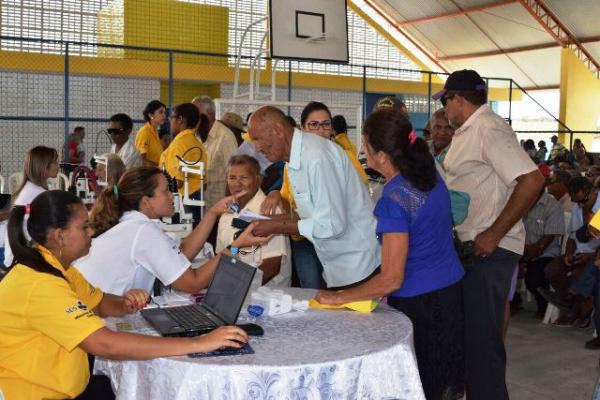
(249,216)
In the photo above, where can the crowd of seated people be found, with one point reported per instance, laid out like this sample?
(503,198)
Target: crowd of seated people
(451,276)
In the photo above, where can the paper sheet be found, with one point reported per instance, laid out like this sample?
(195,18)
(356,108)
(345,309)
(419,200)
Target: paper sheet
(249,216)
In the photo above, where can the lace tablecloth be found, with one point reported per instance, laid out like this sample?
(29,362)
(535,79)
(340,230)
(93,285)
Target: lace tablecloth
(303,355)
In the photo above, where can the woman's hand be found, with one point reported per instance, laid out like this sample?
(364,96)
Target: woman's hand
(222,206)
(331,297)
(271,203)
(247,238)
(224,336)
(135,300)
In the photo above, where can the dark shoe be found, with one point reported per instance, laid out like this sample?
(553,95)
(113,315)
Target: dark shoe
(562,302)
(593,344)
(582,322)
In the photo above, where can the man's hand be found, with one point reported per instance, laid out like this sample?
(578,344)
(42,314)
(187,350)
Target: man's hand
(486,243)
(263,228)
(271,203)
(532,251)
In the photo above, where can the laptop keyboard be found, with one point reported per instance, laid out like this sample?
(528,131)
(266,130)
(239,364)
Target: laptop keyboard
(188,317)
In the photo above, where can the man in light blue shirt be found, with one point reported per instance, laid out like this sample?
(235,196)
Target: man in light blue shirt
(334,210)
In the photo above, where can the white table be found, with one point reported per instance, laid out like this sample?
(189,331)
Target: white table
(303,355)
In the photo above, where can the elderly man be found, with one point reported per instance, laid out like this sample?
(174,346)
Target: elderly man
(441,135)
(486,162)
(119,128)
(220,144)
(273,257)
(334,210)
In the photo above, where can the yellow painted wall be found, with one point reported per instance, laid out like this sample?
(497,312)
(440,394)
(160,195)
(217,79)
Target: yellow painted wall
(579,96)
(184,92)
(192,73)
(165,24)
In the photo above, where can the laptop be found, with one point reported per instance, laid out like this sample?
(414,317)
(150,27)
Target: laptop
(221,305)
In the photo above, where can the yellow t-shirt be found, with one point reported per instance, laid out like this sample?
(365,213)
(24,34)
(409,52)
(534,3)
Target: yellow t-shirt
(148,143)
(344,142)
(44,319)
(184,141)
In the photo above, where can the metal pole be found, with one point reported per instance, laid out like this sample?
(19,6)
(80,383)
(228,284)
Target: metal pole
(66,105)
(170,89)
(429,96)
(289,110)
(364,91)
(510,102)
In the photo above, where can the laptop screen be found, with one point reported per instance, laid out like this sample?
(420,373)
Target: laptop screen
(228,288)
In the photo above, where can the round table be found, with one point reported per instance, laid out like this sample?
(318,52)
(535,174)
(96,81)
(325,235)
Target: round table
(314,354)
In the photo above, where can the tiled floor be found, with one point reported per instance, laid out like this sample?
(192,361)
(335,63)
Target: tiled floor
(547,362)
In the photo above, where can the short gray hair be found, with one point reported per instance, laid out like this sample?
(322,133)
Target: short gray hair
(209,104)
(441,113)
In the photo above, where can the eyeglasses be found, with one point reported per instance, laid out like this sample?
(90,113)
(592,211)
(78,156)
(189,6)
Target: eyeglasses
(445,99)
(315,125)
(115,131)
(584,200)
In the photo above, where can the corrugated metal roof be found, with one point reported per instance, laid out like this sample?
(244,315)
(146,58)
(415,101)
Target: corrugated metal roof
(496,37)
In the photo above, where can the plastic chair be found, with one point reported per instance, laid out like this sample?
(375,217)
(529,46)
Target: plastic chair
(553,312)
(14,181)
(61,182)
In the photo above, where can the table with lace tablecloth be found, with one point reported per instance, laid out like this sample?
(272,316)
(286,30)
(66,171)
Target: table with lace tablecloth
(314,354)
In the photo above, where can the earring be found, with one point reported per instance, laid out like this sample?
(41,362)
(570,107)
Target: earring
(60,252)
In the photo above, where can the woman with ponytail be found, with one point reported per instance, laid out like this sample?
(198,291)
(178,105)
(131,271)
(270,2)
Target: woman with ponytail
(41,163)
(130,250)
(51,316)
(420,270)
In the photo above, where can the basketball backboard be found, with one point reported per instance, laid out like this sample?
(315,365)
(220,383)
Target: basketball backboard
(309,30)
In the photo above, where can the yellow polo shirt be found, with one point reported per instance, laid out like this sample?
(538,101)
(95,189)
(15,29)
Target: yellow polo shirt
(184,141)
(44,318)
(148,143)
(344,142)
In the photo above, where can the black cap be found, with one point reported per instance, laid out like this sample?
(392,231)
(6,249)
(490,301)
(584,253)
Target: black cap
(464,80)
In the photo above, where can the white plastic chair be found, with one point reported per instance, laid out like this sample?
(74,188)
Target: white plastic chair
(61,182)
(14,181)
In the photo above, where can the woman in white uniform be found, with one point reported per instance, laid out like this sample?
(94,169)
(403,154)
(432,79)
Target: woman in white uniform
(131,250)
(41,163)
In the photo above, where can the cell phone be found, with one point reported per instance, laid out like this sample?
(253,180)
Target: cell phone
(239,223)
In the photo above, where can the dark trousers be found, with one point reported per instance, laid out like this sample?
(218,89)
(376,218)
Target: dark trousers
(485,290)
(98,388)
(536,278)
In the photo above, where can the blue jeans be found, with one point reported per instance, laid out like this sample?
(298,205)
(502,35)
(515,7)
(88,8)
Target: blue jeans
(307,264)
(587,280)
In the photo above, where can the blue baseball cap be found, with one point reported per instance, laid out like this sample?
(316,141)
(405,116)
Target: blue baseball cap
(464,80)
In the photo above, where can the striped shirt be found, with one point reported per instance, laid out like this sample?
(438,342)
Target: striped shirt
(546,217)
(484,161)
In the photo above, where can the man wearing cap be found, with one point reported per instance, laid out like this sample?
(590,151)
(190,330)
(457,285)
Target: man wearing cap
(220,145)
(486,161)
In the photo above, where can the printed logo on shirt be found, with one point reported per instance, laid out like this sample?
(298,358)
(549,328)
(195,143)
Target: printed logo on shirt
(76,307)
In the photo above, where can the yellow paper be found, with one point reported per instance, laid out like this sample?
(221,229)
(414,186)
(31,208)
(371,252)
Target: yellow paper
(595,222)
(363,306)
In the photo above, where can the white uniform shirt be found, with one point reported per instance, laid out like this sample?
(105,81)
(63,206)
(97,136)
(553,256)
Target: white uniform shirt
(131,255)
(129,154)
(279,245)
(335,210)
(29,192)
